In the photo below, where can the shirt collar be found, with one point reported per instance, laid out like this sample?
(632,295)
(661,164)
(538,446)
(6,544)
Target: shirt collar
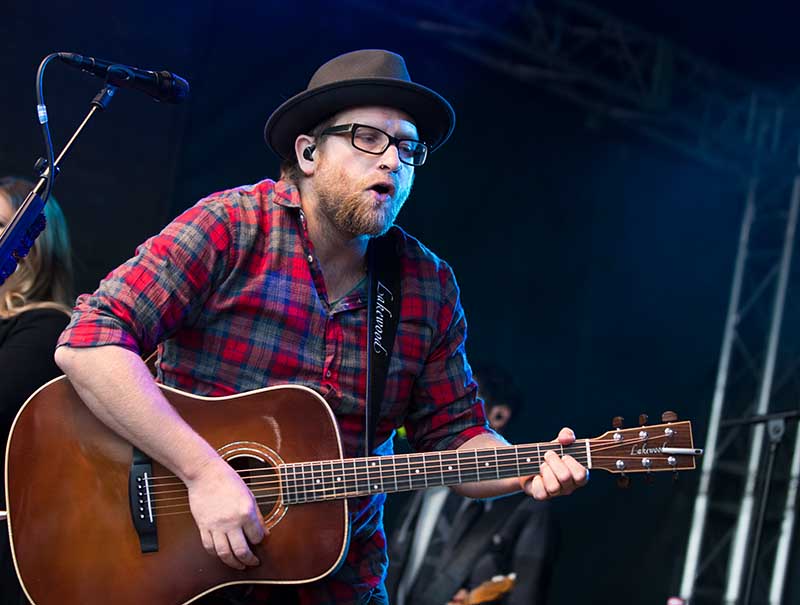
(286,194)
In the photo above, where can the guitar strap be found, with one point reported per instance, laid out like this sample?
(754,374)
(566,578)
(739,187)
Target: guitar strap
(383,315)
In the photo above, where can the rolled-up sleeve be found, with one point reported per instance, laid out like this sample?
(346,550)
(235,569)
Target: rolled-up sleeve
(150,296)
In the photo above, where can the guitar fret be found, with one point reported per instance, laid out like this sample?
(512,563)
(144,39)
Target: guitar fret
(382,461)
(286,484)
(282,470)
(527,466)
(367,477)
(299,488)
(310,482)
(539,454)
(332,479)
(488,460)
(450,470)
(291,484)
(340,481)
(407,473)
(351,478)
(496,463)
(296,485)
(315,480)
(468,469)
(374,484)
(320,487)
(417,477)
(298,482)
(323,480)
(394,468)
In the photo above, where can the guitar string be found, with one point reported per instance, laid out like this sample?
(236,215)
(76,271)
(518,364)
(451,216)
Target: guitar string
(503,460)
(362,475)
(576,446)
(334,492)
(273,498)
(260,490)
(384,466)
(385,461)
(337,468)
(270,495)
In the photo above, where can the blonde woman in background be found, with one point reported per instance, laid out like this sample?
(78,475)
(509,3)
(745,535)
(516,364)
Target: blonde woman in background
(35,304)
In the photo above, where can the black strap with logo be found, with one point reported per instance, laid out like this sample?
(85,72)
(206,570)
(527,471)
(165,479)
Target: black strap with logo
(383,314)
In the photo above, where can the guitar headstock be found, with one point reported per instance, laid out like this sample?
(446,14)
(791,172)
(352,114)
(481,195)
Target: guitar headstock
(668,446)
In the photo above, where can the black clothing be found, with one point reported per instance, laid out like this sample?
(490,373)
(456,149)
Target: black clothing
(512,534)
(27,343)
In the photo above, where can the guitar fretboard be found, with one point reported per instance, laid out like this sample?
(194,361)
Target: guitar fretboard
(337,479)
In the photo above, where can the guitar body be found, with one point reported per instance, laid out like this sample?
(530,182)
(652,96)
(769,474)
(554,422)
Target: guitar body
(70,520)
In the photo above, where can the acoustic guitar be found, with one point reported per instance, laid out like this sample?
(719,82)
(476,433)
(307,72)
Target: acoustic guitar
(92,520)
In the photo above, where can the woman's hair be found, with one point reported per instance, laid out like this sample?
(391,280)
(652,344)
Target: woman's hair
(43,278)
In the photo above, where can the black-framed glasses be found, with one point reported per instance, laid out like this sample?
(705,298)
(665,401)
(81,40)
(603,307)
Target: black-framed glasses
(375,141)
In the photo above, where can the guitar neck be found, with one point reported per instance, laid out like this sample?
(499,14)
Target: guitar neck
(335,479)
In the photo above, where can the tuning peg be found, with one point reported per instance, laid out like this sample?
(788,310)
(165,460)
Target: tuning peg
(642,419)
(617,422)
(623,482)
(669,416)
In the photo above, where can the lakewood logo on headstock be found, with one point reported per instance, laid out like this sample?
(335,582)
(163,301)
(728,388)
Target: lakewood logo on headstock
(643,450)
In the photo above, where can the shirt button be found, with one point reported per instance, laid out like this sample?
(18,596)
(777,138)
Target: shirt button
(328,374)
(310,258)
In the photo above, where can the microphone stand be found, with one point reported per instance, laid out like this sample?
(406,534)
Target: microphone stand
(28,221)
(776,429)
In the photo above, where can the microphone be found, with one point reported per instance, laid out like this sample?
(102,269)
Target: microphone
(161,85)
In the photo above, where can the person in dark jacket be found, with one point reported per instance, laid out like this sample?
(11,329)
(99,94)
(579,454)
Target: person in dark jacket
(444,545)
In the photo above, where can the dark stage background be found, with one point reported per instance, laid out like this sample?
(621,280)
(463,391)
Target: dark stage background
(594,263)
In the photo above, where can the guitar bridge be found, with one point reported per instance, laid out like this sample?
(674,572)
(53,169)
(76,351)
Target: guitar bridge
(141,502)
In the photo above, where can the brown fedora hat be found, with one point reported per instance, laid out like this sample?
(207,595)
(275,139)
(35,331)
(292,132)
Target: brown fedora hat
(362,77)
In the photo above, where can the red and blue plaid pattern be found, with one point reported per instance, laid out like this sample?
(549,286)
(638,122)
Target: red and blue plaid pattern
(233,297)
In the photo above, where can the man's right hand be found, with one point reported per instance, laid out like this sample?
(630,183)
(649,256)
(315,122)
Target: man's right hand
(226,514)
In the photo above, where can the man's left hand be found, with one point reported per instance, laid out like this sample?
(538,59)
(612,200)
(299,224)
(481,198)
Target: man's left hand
(558,476)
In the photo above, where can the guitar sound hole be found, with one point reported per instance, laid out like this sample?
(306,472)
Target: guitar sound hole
(262,479)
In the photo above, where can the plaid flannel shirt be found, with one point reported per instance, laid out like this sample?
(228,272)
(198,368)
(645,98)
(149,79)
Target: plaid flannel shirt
(233,297)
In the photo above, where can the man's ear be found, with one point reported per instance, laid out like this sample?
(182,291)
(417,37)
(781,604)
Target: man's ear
(304,152)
